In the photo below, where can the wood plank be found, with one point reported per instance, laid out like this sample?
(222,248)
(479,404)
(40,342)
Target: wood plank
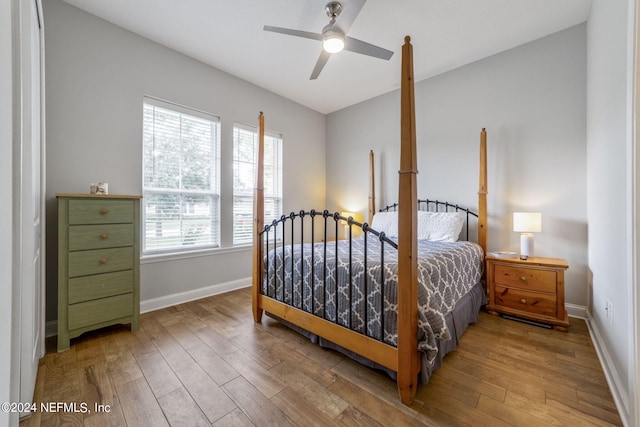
(299,410)
(183,335)
(593,406)
(124,368)
(181,410)
(258,376)
(210,398)
(378,383)
(235,418)
(507,413)
(158,374)
(353,417)
(214,365)
(139,405)
(310,389)
(369,403)
(259,409)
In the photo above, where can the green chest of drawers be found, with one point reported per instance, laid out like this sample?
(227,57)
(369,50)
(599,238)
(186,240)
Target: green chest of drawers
(98,263)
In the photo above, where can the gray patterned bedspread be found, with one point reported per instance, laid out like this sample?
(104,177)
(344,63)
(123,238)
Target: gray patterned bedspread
(446,272)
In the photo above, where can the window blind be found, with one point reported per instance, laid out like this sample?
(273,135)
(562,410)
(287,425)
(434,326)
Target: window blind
(245,152)
(181,201)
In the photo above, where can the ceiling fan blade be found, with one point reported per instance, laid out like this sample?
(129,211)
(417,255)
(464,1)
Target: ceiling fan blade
(322,60)
(348,15)
(364,48)
(290,32)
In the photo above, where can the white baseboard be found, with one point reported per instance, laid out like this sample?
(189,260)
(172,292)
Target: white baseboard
(579,311)
(182,297)
(616,385)
(51,328)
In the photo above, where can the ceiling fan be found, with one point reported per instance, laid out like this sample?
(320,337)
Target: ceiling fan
(334,35)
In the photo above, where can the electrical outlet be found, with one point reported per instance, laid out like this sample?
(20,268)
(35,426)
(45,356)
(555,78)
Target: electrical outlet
(609,311)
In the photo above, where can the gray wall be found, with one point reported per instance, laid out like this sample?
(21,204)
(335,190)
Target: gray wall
(97,75)
(531,100)
(609,177)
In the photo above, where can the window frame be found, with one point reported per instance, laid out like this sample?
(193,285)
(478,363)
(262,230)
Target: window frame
(215,184)
(278,176)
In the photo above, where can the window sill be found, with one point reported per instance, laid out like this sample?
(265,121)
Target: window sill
(173,256)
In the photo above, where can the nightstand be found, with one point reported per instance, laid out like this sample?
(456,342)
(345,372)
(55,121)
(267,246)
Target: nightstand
(532,289)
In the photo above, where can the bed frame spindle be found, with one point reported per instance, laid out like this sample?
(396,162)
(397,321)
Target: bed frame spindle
(258,224)
(408,357)
(372,188)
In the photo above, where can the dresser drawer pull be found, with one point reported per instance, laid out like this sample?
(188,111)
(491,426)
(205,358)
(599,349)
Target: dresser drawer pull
(104,211)
(104,236)
(523,278)
(523,301)
(103,260)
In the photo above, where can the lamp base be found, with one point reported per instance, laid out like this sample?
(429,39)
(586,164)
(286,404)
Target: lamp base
(526,245)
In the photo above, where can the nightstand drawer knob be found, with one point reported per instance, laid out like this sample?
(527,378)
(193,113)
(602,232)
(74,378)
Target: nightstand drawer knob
(103,260)
(104,211)
(523,301)
(103,236)
(524,279)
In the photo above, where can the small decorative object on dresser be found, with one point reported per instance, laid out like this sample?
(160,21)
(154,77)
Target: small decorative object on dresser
(532,289)
(98,263)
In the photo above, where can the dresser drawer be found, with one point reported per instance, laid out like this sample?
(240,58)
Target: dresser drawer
(531,302)
(84,263)
(525,278)
(100,211)
(82,237)
(88,288)
(101,310)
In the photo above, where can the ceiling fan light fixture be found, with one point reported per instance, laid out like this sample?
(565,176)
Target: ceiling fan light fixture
(332,41)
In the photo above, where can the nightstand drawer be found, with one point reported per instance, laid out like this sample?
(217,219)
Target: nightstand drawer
(101,310)
(82,237)
(532,302)
(526,278)
(85,263)
(98,286)
(100,211)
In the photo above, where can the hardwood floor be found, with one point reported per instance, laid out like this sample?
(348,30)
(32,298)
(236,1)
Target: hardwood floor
(206,363)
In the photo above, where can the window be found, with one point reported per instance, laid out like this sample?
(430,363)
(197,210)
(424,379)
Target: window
(245,153)
(181,201)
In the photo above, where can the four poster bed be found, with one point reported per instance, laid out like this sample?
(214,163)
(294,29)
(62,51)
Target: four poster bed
(397,296)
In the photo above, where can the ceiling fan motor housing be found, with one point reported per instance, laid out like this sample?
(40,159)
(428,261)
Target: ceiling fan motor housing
(333,9)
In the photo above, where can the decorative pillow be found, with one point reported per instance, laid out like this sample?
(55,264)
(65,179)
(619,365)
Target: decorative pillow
(386,222)
(440,226)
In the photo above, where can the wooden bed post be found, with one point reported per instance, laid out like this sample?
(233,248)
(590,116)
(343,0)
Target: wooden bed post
(482,199)
(372,188)
(258,223)
(408,358)
(482,193)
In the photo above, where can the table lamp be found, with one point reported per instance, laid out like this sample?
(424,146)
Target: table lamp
(527,223)
(357,216)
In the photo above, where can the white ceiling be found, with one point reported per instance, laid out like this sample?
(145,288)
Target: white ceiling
(228,35)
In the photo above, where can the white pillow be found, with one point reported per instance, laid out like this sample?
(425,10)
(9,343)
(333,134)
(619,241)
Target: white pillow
(440,226)
(386,222)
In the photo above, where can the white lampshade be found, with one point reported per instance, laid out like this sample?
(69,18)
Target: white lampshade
(347,214)
(357,216)
(527,222)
